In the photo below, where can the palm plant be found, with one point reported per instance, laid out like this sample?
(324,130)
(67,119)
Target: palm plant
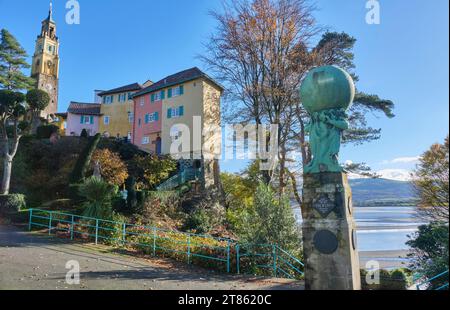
(98,196)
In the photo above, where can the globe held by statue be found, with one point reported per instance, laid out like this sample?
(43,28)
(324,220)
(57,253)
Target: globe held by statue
(327,87)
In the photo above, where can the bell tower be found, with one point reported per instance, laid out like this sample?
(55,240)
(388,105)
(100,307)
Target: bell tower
(45,65)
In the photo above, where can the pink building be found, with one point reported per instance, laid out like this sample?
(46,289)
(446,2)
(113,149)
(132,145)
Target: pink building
(83,116)
(147,123)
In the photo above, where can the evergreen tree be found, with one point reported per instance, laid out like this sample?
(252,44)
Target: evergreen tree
(83,162)
(12,61)
(37,101)
(271,221)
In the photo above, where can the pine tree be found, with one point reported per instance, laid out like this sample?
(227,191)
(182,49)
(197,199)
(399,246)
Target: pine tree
(12,61)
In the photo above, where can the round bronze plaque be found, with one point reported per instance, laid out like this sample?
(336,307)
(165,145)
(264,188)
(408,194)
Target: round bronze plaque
(325,242)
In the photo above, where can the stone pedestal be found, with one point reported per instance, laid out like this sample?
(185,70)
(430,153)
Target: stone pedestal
(329,233)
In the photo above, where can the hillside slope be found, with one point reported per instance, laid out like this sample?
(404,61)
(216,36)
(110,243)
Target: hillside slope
(381,191)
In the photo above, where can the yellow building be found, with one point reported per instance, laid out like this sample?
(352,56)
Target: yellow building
(60,120)
(117,109)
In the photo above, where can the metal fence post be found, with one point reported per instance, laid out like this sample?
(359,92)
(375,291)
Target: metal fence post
(124,233)
(189,249)
(238,267)
(31,219)
(228,256)
(154,241)
(96,231)
(72,227)
(50,223)
(274,254)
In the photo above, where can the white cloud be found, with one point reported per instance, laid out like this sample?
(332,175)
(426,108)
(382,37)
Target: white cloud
(402,160)
(395,174)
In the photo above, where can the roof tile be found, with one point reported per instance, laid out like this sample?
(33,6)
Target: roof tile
(84,108)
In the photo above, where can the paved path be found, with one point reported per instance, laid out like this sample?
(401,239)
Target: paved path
(30,261)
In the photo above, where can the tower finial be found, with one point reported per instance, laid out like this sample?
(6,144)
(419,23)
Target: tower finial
(50,11)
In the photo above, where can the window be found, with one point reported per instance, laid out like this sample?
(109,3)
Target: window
(158,96)
(108,99)
(87,120)
(122,97)
(130,95)
(130,117)
(151,117)
(175,112)
(142,101)
(145,140)
(175,92)
(106,120)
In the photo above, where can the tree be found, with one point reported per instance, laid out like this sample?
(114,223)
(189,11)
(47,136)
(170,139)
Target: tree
(112,168)
(12,61)
(429,246)
(431,181)
(260,52)
(270,221)
(11,111)
(81,167)
(151,170)
(429,252)
(38,101)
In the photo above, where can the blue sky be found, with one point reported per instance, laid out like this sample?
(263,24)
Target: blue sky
(404,59)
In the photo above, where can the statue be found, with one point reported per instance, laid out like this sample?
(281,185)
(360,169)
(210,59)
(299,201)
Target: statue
(327,93)
(329,231)
(97,170)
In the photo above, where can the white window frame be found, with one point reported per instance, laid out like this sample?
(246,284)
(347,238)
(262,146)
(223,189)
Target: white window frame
(142,101)
(131,117)
(106,119)
(176,91)
(175,113)
(145,140)
(87,120)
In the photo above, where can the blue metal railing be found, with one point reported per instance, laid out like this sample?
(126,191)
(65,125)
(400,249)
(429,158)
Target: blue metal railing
(270,257)
(180,179)
(151,239)
(193,248)
(429,281)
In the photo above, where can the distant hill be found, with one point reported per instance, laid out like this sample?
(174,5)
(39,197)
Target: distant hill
(368,192)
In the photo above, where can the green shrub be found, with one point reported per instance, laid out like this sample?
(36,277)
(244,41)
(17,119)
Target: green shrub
(201,221)
(12,204)
(270,221)
(98,196)
(45,132)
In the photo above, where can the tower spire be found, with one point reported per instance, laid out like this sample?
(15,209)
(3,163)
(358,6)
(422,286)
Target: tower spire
(50,12)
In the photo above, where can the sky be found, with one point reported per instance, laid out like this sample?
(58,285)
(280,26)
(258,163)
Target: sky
(404,59)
